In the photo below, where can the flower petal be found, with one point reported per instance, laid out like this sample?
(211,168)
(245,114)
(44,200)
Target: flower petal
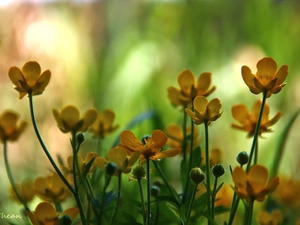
(266,69)
(117,155)
(240,113)
(200,104)
(15,75)
(31,71)
(45,212)
(130,142)
(258,178)
(281,74)
(89,118)
(159,139)
(186,80)
(239,177)
(203,83)
(167,153)
(101,162)
(70,116)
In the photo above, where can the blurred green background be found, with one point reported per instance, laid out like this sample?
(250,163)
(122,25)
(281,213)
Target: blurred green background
(123,55)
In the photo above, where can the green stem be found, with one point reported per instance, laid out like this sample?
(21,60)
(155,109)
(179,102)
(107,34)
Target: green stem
(107,181)
(142,200)
(10,177)
(191,204)
(256,133)
(76,170)
(184,135)
(157,213)
(190,162)
(148,191)
(207,168)
(249,212)
(214,198)
(234,205)
(118,197)
(165,181)
(44,146)
(256,152)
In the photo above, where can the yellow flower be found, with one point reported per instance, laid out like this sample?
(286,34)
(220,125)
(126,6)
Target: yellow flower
(287,193)
(249,119)
(9,129)
(273,218)
(25,189)
(104,124)
(69,120)
(51,188)
(254,185)
(205,111)
(30,79)
(189,89)
(175,137)
(224,196)
(118,156)
(267,78)
(45,214)
(150,148)
(82,163)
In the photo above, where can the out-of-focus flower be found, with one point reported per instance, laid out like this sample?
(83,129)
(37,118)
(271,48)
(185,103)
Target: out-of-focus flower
(175,137)
(9,127)
(267,78)
(150,148)
(215,157)
(29,79)
(224,196)
(118,156)
(51,188)
(254,185)
(273,218)
(248,120)
(104,124)
(205,111)
(69,119)
(25,189)
(45,214)
(189,89)
(82,163)
(287,193)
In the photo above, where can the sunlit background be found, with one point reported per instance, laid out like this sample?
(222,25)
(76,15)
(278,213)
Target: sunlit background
(123,55)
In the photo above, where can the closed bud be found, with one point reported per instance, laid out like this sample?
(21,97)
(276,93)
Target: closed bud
(197,175)
(111,168)
(80,138)
(65,220)
(154,191)
(242,158)
(218,170)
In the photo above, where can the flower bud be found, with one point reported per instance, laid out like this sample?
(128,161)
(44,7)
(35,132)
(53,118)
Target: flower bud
(80,138)
(65,220)
(154,191)
(139,172)
(242,158)
(110,168)
(197,175)
(218,170)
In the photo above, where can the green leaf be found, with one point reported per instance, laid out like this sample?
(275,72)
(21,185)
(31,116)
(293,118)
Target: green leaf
(88,166)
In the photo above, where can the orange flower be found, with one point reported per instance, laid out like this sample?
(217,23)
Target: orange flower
(205,111)
(45,214)
(51,188)
(249,119)
(267,78)
(254,185)
(224,196)
(82,163)
(118,156)
(9,130)
(175,137)
(151,148)
(189,89)
(30,79)
(69,120)
(104,124)
(273,218)
(25,189)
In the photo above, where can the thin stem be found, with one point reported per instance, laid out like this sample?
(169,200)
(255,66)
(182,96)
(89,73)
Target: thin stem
(44,146)
(165,181)
(184,135)
(207,168)
(256,153)
(143,201)
(118,197)
(249,213)
(76,169)
(107,181)
(157,213)
(214,198)
(234,205)
(190,162)
(191,204)
(256,133)
(10,177)
(148,191)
